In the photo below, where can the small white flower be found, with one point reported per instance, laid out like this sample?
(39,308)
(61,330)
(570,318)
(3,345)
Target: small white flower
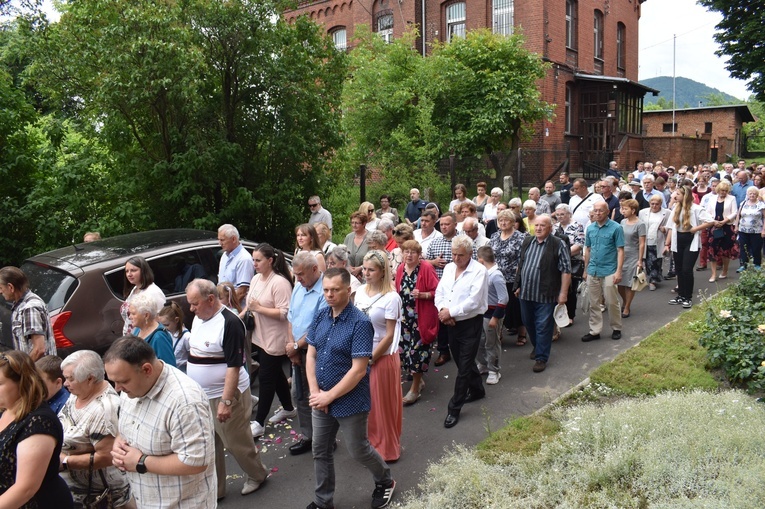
(724,313)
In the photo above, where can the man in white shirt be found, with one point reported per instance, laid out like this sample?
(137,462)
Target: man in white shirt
(470,227)
(582,201)
(462,297)
(318,213)
(427,232)
(216,363)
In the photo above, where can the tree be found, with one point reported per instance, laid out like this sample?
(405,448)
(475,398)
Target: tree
(213,111)
(740,37)
(471,97)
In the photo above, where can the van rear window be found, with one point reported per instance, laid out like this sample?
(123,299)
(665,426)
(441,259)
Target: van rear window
(53,286)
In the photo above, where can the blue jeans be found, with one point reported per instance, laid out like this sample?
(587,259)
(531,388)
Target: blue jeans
(325,429)
(538,317)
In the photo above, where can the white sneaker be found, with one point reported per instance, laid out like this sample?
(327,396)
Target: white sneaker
(493,378)
(257,429)
(255,400)
(282,415)
(482,369)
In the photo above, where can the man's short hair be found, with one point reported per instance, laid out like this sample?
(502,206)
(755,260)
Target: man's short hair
(316,199)
(304,260)
(131,349)
(449,214)
(462,242)
(429,214)
(14,276)
(345,276)
(229,231)
(580,181)
(50,365)
(205,287)
(486,253)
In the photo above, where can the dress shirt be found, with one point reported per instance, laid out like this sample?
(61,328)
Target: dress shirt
(236,267)
(466,296)
(304,304)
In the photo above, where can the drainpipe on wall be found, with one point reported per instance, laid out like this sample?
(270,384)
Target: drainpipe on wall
(423,28)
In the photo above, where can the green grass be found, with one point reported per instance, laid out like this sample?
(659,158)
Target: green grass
(524,435)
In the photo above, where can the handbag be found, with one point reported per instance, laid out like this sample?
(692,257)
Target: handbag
(583,297)
(718,233)
(577,267)
(101,500)
(639,281)
(249,320)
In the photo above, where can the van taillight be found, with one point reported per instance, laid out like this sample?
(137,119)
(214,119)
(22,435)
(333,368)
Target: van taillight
(57,323)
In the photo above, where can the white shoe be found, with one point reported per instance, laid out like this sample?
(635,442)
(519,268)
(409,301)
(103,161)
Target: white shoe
(251,486)
(282,415)
(482,369)
(257,429)
(255,400)
(493,378)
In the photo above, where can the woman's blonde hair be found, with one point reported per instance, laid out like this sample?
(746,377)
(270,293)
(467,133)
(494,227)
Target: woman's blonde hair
(19,368)
(380,259)
(684,207)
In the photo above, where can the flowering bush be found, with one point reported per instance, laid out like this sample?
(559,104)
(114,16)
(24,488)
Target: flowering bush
(733,332)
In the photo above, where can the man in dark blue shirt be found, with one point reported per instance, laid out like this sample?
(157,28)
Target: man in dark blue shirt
(415,207)
(339,349)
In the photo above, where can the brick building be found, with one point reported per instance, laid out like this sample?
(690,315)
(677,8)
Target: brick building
(712,133)
(592,46)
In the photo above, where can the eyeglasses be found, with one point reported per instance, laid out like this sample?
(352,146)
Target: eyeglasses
(312,205)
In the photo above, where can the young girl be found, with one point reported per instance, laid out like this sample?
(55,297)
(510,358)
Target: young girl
(172,318)
(227,296)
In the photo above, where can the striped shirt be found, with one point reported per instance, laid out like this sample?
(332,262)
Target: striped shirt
(174,417)
(30,318)
(531,271)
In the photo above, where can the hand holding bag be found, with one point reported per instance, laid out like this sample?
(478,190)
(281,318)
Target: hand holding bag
(639,280)
(101,500)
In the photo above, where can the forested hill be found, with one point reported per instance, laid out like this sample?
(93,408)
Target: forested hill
(688,92)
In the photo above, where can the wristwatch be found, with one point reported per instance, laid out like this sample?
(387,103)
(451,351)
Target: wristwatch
(296,347)
(140,467)
(227,402)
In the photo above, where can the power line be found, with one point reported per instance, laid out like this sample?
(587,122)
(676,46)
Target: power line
(705,25)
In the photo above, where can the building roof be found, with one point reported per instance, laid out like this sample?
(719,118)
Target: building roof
(741,109)
(615,79)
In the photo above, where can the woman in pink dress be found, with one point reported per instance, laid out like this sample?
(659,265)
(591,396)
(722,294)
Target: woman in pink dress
(382,304)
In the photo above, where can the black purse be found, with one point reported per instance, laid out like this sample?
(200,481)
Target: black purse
(101,500)
(249,320)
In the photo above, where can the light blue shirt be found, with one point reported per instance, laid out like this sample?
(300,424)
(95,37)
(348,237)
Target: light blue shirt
(739,191)
(304,304)
(236,267)
(603,242)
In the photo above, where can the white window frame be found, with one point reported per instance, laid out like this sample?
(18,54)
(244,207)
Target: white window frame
(503,16)
(339,37)
(455,20)
(572,24)
(597,25)
(386,20)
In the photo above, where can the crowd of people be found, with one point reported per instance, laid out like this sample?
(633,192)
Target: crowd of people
(147,423)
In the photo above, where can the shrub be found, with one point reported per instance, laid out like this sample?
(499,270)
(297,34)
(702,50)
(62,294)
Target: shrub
(733,332)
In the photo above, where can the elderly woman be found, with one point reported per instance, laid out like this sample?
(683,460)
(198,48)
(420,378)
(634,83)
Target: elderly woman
(143,316)
(377,241)
(530,211)
(307,239)
(655,218)
(386,226)
(506,244)
(325,237)
(338,257)
(378,300)
(416,284)
(30,439)
(369,210)
(575,233)
(751,227)
(634,249)
(516,205)
(723,245)
(89,419)
(139,278)
(356,242)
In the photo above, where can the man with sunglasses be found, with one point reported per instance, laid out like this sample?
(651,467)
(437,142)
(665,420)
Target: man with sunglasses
(318,213)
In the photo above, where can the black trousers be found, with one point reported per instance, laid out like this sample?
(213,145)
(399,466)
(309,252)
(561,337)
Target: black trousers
(684,261)
(464,338)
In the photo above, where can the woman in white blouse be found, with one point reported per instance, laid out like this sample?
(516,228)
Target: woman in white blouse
(382,304)
(655,218)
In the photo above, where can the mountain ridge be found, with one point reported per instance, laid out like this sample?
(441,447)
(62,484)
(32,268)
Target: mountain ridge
(688,93)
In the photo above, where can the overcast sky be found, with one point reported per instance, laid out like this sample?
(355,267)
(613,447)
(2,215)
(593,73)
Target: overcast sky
(695,50)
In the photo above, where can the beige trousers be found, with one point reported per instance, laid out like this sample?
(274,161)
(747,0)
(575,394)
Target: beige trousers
(600,287)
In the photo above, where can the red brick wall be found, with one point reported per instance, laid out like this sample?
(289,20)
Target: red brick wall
(676,151)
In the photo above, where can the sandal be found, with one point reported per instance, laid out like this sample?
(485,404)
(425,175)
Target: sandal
(521,341)
(411,398)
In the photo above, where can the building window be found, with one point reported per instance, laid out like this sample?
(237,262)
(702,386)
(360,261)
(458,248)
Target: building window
(571,24)
(455,20)
(385,26)
(569,113)
(669,127)
(707,127)
(503,17)
(338,37)
(598,33)
(621,42)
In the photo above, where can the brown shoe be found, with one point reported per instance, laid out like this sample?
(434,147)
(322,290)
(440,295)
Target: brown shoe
(539,367)
(443,359)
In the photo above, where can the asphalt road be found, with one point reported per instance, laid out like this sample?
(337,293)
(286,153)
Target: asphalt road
(424,440)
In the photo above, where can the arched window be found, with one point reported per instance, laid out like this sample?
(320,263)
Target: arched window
(621,43)
(455,20)
(502,19)
(572,24)
(339,38)
(598,33)
(385,26)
